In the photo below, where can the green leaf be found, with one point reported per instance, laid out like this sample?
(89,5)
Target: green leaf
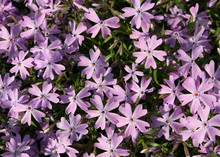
(155,76)
(137,101)
(213,154)
(188,145)
(153,144)
(64,10)
(107,39)
(56,14)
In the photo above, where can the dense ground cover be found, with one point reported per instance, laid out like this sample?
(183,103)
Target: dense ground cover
(109,78)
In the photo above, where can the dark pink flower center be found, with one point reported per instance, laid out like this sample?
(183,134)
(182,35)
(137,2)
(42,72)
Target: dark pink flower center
(196,94)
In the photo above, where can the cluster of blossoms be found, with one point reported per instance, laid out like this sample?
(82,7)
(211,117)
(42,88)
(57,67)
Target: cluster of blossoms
(44,112)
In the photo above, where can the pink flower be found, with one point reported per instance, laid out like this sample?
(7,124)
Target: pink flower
(168,121)
(205,126)
(75,99)
(30,110)
(34,27)
(132,119)
(189,62)
(101,85)
(75,36)
(14,101)
(94,66)
(43,97)
(20,64)
(132,73)
(11,40)
(140,91)
(5,85)
(122,95)
(54,148)
(172,90)
(103,112)
(48,60)
(139,12)
(101,24)
(214,76)
(197,94)
(73,128)
(112,149)
(148,52)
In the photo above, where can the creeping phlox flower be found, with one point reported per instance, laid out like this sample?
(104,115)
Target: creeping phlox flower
(132,73)
(43,97)
(168,121)
(48,60)
(54,148)
(214,76)
(34,27)
(172,90)
(71,129)
(5,85)
(94,66)
(11,40)
(101,85)
(20,64)
(14,101)
(101,24)
(75,99)
(30,109)
(121,94)
(200,18)
(103,112)
(16,147)
(75,36)
(111,147)
(189,63)
(133,121)
(140,91)
(139,12)
(148,52)
(197,94)
(202,128)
